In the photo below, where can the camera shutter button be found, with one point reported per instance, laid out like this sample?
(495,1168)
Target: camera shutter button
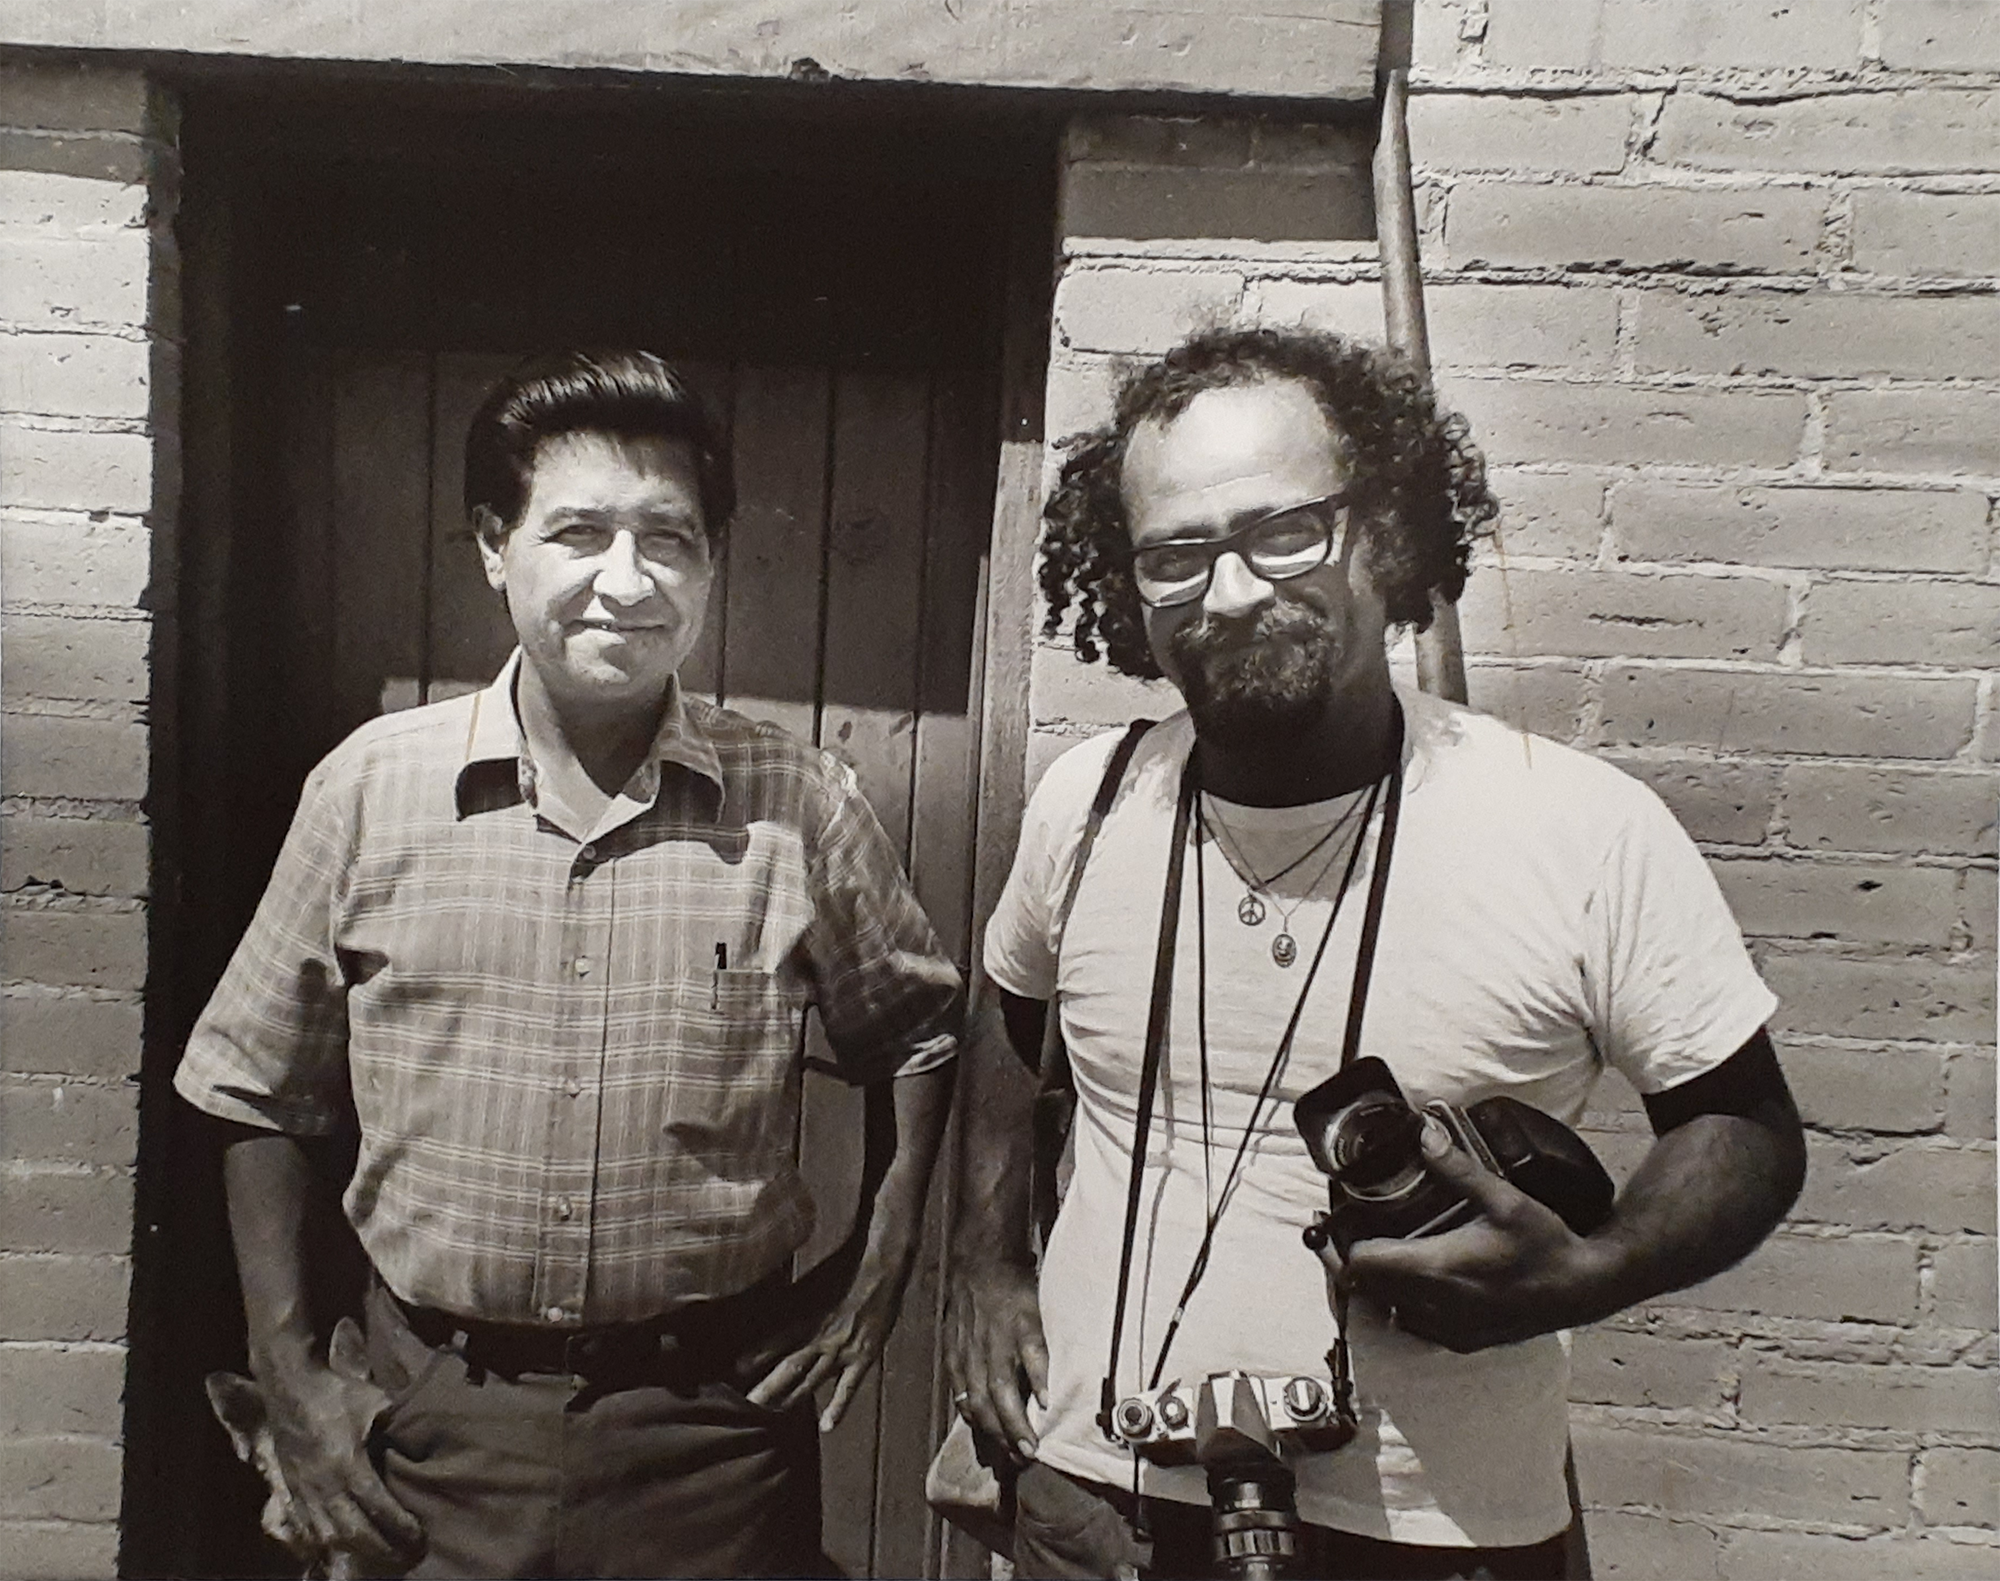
(1173,1412)
(1135,1419)
(1305,1399)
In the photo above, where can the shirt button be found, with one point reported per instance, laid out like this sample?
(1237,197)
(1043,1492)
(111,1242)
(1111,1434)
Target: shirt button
(587,854)
(564,1209)
(583,966)
(554,1315)
(575,1087)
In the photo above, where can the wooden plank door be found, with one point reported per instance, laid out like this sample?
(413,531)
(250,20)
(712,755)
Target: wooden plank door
(845,610)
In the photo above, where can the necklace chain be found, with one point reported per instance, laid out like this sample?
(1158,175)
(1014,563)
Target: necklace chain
(1250,909)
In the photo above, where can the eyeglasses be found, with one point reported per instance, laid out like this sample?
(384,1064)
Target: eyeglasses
(1278,545)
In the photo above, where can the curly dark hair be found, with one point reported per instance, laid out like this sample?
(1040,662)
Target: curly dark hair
(1417,481)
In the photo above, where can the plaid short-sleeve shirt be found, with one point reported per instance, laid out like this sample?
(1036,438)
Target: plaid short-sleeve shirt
(575,1066)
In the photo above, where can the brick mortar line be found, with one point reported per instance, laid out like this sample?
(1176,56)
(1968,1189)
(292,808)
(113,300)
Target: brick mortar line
(74,809)
(129,333)
(1738,84)
(63,903)
(67,423)
(98,1347)
(99,710)
(41,1079)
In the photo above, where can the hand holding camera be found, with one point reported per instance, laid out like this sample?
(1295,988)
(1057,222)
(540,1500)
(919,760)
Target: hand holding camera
(1469,1226)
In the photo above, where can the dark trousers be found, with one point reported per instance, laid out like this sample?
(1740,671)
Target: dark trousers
(652,1467)
(1066,1529)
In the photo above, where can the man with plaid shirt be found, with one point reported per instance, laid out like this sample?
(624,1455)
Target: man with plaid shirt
(548,948)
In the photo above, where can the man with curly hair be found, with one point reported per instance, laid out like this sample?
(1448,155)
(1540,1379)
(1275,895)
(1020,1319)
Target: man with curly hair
(1344,869)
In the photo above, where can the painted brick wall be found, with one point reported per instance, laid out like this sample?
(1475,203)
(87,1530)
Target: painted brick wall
(85,365)
(1716,285)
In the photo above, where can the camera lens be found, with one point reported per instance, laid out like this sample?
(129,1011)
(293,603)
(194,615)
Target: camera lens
(1374,1142)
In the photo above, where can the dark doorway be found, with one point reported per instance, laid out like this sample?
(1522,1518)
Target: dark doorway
(359,262)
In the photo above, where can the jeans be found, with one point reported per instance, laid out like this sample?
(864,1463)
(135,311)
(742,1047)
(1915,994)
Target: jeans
(1070,1530)
(549,1474)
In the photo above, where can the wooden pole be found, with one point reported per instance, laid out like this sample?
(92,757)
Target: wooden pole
(1440,650)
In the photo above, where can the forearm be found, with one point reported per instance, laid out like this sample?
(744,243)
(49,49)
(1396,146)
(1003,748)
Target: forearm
(268,1179)
(922,1103)
(1702,1199)
(994,1203)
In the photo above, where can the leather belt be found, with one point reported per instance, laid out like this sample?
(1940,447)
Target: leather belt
(705,1340)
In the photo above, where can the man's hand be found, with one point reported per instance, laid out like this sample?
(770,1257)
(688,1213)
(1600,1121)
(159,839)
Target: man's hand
(320,1423)
(993,1343)
(1513,1272)
(845,1346)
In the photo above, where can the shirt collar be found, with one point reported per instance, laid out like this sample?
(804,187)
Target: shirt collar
(493,735)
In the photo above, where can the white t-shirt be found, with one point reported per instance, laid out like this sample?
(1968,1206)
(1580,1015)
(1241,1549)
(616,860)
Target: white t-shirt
(1545,915)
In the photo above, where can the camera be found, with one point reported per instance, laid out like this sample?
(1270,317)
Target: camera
(1365,1136)
(1231,1424)
(1163,1424)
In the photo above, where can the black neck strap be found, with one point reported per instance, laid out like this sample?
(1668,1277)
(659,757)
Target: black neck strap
(1159,1011)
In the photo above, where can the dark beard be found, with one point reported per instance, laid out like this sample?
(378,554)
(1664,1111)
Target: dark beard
(1248,683)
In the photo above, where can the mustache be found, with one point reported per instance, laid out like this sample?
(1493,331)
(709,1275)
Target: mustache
(1215,636)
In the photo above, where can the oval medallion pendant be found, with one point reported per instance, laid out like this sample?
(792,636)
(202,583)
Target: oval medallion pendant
(1284,950)
(1249,910)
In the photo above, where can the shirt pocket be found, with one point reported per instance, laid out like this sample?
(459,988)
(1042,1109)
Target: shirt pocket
(734,1096)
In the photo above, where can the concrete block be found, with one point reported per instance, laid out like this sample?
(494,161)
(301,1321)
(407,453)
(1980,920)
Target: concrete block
(1856,808)
(113,158)
(1812,1556)
(1970,1096)
(1065,690)
(59,1550)
(1537,226)
(71,469)
(64,657)
(1345,307)
(73,96)
(1906,1399)
(1926,233)
(1965,1283)
(73,561)
(1576,34)
(68,1033)
(1768,711)
(1702,1474)
(1081,394)
(1916,1184)
(1544,699)
(1523,420)
(1834,1279)
(1617,1367)
(1141,310)
(1212,142)
(1953,624)
(58,283)
(85,856)
(1579,134)
(61,1390)
(77,949)
(50,755)
(1960,1487)
(1886,1090)
(1945,432)
(1851,334)
(1545,513)
(60,1297)
(66,205)
(1859,529)
(1522,326)
(69,1122)
(1627,1547)
(1913,999)
(67,1479)
(1614,614)
(1723,802)
(1851,902)
(1941,35)
(1915,130)
(47,1211)
(75,375)
(1171,202)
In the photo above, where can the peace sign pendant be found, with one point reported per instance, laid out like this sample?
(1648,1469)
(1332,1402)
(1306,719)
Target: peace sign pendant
(1284,949)
(1249,910)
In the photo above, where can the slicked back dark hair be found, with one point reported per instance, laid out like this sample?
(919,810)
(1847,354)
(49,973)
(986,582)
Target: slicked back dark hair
(627,394)
(1417,482)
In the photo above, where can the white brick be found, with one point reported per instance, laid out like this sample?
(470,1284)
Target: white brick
(1579,134)
(1857,529)
(1614,614)
(1345,307)
(1941,35)
(1523,225)
(1727,33)
(1915,130)
(74,375)
(1141,310)
(73,561)
(54,469)
(1546,513)
(1927,233)
(1624,425)
(1846,335)
(58,283)
(1945,432)
(1498,326)
(69,205)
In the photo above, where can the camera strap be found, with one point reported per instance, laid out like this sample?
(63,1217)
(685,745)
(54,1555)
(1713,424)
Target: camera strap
(1159,1011)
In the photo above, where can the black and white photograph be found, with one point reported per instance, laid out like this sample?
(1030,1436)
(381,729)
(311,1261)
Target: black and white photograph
(998,789)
